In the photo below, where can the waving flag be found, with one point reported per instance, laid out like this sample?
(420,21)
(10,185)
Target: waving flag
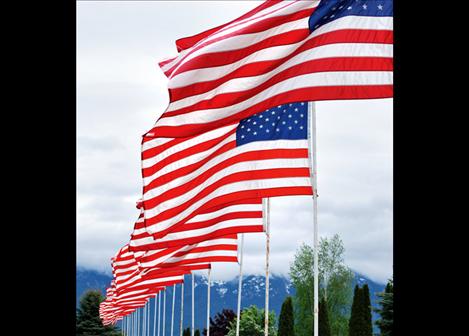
(280,52)
(241,216)
(264,155)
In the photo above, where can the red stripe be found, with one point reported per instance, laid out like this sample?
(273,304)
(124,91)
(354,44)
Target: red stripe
(189,42)
(204,259)
(232,178)
(201,178)
(163,179)
(258,193)
(259,68)
(338,92)
(197,148)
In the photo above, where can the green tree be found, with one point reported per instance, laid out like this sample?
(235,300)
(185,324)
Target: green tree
(324,327)
(335,285)
(197,332)
(286,322)
(186,332)
(366,311)
(386,310)
(252,323)
(356,322)
(88,321)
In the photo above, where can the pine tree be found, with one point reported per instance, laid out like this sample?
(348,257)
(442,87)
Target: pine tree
(366,311)
(386,311)
(323,324)
(196,332)
(356,325)
(219,326)
(88,320)
(186,332)
(286,322)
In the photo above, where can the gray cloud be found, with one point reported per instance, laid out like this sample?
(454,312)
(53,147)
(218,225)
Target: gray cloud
(121,93)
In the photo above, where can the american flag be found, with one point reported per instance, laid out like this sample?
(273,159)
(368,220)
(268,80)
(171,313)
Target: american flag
(236,217)
(264,155)
(280,52)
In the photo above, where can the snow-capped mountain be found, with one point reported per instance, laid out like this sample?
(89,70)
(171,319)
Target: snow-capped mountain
(224,294)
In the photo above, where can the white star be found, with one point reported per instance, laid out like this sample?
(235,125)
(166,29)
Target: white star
(255,133)
(266,119)
(254,123)
(273,112)
(249,130)
(289,116)
(302,104)
(249,120)
(349,7)
(278,129)
(364,6)
(242,126)
(278,118)
(267,130)
(316,26)
(301,115)
(260,116)
(284,110)
(301,127)
(296,110)
(380,7)
(261,126)
(296,121)
(242,136)
(273,124)
(283,122)
(332,16)
(289,104)
(334,8)
(341,7)
(280,106)
(289,127)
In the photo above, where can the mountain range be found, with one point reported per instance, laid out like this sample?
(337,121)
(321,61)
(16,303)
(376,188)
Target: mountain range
(223,294)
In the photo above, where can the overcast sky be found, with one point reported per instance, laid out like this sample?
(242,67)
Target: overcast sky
(120,94)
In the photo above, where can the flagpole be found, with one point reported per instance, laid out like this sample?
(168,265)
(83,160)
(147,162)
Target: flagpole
(240,285)
(159,313)
(138,322)
(154,315)
(144,329)
(208,301)
(148,316)
(192,329)
(312,153)
(164,311)
(265,206)
(182,310)
(172,309)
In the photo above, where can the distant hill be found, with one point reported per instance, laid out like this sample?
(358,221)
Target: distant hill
(223,294)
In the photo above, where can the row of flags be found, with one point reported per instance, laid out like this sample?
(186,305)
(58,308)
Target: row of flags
(236,130)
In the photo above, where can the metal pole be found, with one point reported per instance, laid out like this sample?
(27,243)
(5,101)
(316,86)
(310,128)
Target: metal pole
(182,309)
(154,316)
(192,327)
(138,322)
(314,181)
(148,317)
(172,309)
(265,203)
(144,329)
(159,311)
(240,285)
(164,311)
(208,300)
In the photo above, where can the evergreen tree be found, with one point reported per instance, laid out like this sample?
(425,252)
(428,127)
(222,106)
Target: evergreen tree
(286,322)
(219,326)
(88,321)
(366,311)
(186,332)
(196,332)
(386,311)
(356,322)
(324,327)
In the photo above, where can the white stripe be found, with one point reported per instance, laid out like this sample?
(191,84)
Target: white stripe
(159,280)
(245,166)
(207,136)
(325,51)
(323,79)
(154,143)
(231,223)
(267,54)
(227,189)
(220,253)
(274,11)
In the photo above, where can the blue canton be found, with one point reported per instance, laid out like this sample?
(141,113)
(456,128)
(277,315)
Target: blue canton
(288,121)
(330,10)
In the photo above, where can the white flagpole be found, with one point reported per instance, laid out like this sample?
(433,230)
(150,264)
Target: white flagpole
(159,313)
(172,309)
(208,300)
(148,317)
(138,322)
(164,311)
(154,316)
(144,329)
(266,210)
(192,329)
(182,310)
(314,181)
(240,285)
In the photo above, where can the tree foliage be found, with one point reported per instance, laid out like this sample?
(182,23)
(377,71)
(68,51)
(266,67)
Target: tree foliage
(386,310)
(88,321)
(366,307)
(356,322)
(324,326)
(219,326)
(252,323)
(335,285)
(286,322)
(186,332)
(196,332)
